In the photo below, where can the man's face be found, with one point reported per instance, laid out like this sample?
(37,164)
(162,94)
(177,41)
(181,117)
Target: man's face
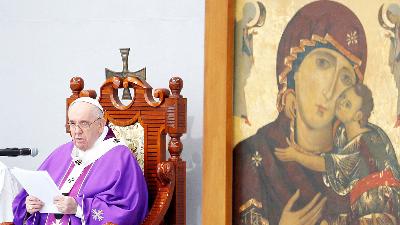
(88,126)
(322,76)
(348,105)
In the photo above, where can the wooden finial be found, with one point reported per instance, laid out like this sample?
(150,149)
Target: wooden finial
(176,85)
(76,84)
(175,146)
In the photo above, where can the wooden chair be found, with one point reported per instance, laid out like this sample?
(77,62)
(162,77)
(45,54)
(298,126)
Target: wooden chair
(166,178)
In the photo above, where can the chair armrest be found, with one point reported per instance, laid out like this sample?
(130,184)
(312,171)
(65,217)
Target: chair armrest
(166,176)
(166,186)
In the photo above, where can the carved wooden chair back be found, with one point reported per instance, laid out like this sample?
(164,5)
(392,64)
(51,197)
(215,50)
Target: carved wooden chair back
(156,115)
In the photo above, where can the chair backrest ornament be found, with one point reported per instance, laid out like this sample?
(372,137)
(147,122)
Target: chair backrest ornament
(133,137)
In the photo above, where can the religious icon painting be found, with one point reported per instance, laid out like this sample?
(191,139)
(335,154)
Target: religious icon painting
(316,112)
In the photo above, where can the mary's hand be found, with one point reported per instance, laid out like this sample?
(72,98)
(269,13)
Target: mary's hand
(309,215)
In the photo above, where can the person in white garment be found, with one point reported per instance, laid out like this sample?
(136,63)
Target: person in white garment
(9,188)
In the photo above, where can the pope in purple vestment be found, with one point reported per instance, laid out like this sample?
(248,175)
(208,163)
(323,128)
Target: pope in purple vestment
(105,181)
(114,189)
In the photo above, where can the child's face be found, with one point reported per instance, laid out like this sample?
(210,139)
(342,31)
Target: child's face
(348,105)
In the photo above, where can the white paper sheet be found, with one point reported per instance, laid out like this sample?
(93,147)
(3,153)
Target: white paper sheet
(40,185)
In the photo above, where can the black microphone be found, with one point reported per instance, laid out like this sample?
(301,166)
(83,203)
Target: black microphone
(18,151)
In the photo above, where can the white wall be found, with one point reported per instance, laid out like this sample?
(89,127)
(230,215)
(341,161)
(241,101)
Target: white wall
(44,43)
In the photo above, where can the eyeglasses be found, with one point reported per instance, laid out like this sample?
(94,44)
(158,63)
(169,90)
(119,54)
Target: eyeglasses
(83,125)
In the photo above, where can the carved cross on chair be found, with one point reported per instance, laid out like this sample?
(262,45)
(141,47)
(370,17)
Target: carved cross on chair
(141,74)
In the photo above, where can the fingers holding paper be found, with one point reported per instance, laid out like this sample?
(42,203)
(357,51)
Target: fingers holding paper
(33,204)
(65,204)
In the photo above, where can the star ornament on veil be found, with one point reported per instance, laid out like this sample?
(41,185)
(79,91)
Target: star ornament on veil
(352,38)
(97,214)
(256,158)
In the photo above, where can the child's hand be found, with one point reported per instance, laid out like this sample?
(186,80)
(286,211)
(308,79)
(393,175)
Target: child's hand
(287,154)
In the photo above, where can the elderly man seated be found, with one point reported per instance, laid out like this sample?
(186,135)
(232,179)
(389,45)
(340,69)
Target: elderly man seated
(100,179)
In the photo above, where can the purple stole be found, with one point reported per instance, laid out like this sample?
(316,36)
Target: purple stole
(51,219)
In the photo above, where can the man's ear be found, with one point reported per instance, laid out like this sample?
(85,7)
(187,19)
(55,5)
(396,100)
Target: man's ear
(290,104)
(102,123)
(358,116)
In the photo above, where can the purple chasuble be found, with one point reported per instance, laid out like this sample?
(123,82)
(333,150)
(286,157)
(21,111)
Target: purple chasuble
(112,190)
(51,218)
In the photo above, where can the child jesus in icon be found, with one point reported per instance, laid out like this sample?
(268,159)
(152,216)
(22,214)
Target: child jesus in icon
(362,162)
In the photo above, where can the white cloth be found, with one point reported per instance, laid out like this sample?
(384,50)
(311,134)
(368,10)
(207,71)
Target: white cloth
(9,188)
(86,158)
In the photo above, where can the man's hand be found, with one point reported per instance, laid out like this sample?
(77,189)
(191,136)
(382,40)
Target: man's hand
(65,204)
(309,215)
(33,204)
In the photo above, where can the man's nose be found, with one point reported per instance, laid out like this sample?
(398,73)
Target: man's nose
(77,130)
